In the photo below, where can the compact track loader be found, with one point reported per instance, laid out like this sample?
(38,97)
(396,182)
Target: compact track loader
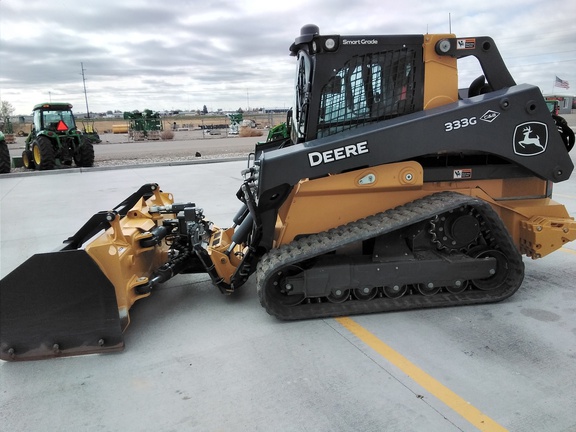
(394,191)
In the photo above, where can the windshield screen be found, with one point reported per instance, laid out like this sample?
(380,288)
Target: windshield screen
(366,89)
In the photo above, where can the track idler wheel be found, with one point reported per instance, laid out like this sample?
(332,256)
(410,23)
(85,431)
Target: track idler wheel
(500,272)
(281,291)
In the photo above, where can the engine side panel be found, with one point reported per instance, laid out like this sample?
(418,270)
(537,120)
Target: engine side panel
(537,224)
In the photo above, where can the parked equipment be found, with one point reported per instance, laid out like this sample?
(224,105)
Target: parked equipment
(392,193)
(235,122)
(54,140)
(89,130)
(144,125)
(8,130)
(280,131)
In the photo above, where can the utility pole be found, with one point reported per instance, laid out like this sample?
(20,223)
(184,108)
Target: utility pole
(85,95)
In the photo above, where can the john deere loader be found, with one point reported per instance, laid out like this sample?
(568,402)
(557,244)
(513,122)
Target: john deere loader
(393,191)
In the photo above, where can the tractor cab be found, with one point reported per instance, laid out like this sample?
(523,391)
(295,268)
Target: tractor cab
(54,117)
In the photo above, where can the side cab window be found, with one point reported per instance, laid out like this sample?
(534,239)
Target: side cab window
(37,120)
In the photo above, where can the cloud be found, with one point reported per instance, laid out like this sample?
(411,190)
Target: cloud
(182,54)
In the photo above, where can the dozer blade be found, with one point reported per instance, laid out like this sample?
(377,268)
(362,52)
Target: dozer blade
(58,304)
(75,300)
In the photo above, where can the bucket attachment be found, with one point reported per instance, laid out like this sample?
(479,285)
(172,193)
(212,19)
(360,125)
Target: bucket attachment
(76,299)
(58,304)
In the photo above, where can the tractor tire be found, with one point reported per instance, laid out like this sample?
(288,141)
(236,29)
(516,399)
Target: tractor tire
(4,158)
(28,159)
(43,153)
(84,155)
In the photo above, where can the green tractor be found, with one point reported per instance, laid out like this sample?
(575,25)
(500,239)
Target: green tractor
(4,155)
(54,140)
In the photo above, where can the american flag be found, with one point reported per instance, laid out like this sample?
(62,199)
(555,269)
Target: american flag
(561,83)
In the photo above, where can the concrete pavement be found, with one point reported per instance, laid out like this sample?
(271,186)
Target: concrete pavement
(196,360)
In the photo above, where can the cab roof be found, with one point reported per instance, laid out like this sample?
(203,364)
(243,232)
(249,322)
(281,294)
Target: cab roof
(53,106)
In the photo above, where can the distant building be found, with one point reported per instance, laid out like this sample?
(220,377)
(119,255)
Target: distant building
(565,103)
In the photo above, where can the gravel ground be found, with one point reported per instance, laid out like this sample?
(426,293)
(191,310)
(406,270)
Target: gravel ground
(156,159)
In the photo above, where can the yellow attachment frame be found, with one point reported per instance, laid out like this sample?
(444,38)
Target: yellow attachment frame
(540,236)
(118,253)
(226,261)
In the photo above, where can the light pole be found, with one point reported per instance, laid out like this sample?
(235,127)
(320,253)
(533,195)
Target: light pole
(85,95)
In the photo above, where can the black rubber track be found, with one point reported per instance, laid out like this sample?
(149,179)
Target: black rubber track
(417,211)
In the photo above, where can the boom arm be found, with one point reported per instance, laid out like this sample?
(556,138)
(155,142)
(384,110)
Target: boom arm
(486,125)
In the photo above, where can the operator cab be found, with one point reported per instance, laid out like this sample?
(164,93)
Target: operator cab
(363,79)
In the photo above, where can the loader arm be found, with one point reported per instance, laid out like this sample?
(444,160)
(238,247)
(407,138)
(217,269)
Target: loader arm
(101,220)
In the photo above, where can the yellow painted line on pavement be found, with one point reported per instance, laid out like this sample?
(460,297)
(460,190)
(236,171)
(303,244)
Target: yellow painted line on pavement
(435,387)
(570,251)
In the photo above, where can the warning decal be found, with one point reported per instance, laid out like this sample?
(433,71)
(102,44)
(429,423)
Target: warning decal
(465,43)
(461,174)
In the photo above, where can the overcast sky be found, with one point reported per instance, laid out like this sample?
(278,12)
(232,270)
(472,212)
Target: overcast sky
(179,54)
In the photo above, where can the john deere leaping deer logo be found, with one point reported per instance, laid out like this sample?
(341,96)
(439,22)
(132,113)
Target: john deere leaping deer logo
(530,139)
